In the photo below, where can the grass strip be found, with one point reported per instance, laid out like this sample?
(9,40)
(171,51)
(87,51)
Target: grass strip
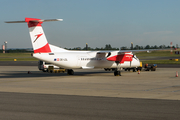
(160,62)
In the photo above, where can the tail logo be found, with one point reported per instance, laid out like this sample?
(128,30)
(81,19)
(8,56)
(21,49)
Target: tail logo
(37,36)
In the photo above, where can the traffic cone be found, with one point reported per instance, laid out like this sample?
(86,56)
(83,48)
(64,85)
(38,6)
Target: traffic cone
(176,74)
(138,71)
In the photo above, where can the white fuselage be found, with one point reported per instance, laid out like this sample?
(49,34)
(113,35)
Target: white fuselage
(83,60)
(75,59)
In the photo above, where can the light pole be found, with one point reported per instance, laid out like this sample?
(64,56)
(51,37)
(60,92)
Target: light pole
(5,46)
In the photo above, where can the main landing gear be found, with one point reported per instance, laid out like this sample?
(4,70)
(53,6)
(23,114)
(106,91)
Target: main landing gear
(70,72)
(117,72)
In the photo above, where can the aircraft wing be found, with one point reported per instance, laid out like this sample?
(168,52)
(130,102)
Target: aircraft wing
(144,50)
(102,54)
(127,51)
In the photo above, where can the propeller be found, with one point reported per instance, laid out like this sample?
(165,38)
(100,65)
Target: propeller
(109,54)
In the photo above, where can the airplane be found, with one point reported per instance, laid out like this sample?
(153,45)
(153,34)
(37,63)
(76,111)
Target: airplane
(69,59)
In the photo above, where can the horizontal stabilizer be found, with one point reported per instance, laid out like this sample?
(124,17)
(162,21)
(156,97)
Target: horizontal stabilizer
(48,20)
(15,22)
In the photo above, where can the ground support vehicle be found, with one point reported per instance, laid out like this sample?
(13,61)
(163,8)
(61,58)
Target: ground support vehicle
(52,70)
(150,67)
(44,66)
(134,69)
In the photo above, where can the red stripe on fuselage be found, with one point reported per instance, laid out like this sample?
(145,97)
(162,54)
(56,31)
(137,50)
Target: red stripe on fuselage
(44,49)
(31,22)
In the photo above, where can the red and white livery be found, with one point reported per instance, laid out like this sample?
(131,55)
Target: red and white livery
(75,59)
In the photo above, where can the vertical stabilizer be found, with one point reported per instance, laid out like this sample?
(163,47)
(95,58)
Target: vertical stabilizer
(38,38)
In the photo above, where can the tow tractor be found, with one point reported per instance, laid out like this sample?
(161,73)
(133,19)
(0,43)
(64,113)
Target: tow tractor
(150,67)
(48,67)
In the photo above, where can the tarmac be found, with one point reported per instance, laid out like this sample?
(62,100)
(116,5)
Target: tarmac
(35,63)
(89,94)
(159,84)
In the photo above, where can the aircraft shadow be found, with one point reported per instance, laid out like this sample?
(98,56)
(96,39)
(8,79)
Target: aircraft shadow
(25,74)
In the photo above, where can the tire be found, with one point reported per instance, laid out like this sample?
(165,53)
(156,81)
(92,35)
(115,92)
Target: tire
(117,73)
(70,72)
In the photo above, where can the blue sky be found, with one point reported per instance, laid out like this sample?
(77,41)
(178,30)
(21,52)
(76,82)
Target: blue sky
(96,22)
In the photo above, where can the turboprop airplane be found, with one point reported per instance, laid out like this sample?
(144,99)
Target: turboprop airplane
(75,59)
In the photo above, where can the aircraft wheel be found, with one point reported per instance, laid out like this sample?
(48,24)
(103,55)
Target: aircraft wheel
(70,72)
(117,73)
(51,71)
(134,70)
